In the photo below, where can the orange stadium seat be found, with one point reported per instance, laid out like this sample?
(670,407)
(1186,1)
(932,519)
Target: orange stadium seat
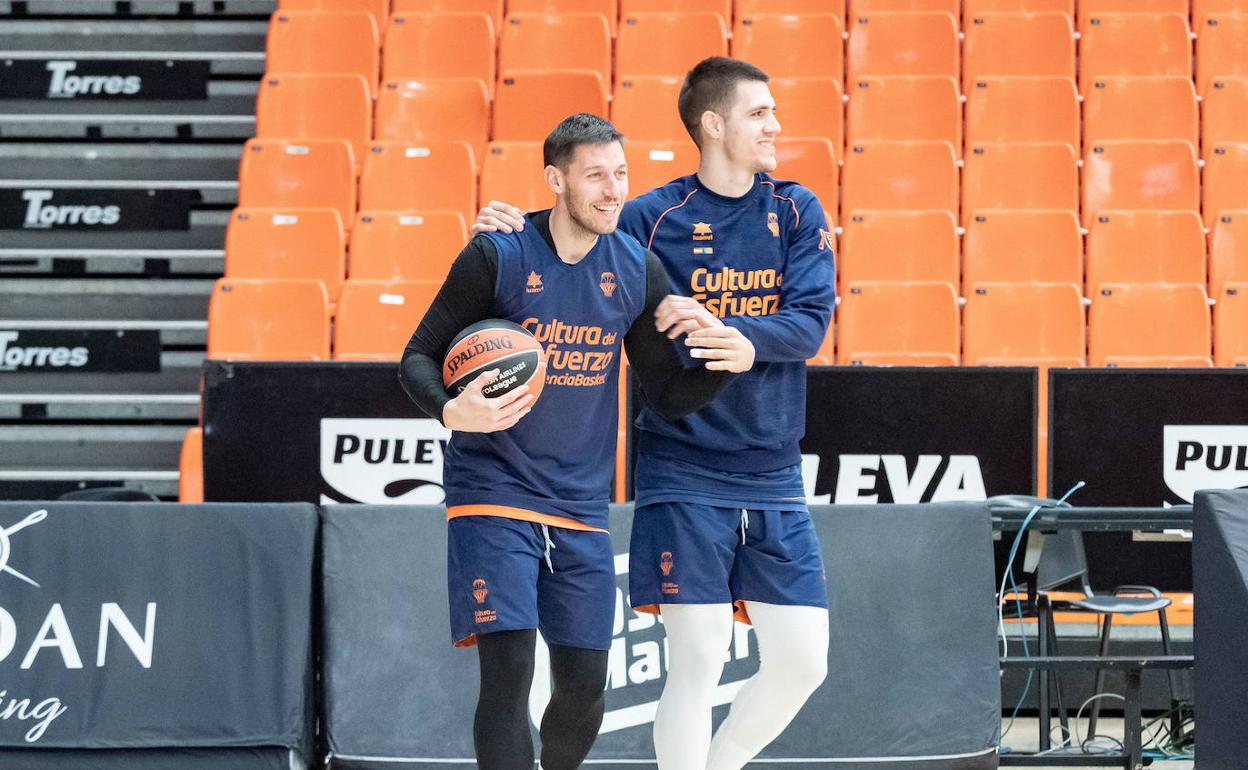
(1230,326)
(898,324)
(446,45)
(790,45)
(668,43)
(1224,113)
(287,243)
(380,9)
(900,175)
(405,245)
(1146,247)
(857,7)
(1133,44)
(314,42)
(812,161)
(268,320)
(1155,108)
(1149,325)
(573,41)
(653,164)
(899,246)
(905,109)
(427,111)
(902,44)
(399,176)
(810,107)
(376,319)
(1035,175)
(274,173)
(607,9)
(722,7)
(1131,176)
(1004,246)
(1226,181)
(528,104)
(315,107)
(1022,109)
(492,8)
(644,108)
(751,7)
(512,173)
(1204,8)
(1228,251)
(1091,8)
(1221,49)
(973,8)
(1018,45)
(191,467)
(1023,324)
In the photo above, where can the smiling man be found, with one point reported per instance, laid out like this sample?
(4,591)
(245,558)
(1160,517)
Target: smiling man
(721,522)
(527,496)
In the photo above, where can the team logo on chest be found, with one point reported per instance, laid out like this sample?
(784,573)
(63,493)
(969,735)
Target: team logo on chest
(773,224)
(702,232)
(534,284)
(606,282)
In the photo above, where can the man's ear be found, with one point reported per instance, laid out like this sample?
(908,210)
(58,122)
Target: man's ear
(712,125)
(555,180)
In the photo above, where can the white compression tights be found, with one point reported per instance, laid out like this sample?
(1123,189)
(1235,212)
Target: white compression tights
(793,654)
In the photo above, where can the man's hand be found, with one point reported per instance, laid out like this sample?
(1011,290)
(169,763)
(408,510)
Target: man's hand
(679,315)
(497,216)
(472,412)
(725,348)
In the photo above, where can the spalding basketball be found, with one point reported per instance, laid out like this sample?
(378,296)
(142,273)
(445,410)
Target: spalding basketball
(493,344)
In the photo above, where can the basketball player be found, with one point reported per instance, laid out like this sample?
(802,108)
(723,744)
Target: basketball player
(721,521)
(527,497)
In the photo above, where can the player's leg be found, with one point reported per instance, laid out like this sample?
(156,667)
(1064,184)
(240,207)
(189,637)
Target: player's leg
(574,713)
(500,731)
(779,575)
(492,589)
(680,558)
(697,637)
(576,605)
(793,656)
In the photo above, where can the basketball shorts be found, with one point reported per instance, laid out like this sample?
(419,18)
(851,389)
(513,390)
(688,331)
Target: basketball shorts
(502,576)
(690,553)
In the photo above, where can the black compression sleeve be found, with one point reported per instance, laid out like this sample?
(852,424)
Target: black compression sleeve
(466,297)
(672,389)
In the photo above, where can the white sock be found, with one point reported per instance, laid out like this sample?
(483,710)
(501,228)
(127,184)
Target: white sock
(793,662)
(697,640)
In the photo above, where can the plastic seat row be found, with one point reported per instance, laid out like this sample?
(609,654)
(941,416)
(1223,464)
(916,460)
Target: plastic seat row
(920,324)
(290,319)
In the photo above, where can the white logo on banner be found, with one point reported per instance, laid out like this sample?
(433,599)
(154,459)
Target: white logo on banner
(14,357)
(638,656)
(858,479)
(42,215)
(384,460)
(1204,457)
(55,633)
(66,86)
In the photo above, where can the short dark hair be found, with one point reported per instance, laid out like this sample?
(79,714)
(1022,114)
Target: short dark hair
(572,132)
(710,85)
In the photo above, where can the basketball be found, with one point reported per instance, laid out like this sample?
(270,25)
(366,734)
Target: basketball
(492,344)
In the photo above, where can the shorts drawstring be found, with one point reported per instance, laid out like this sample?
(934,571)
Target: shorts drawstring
(745,522)
(549,545)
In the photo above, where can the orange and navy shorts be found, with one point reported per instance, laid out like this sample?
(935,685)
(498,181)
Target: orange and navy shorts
(692,553)
(498,579)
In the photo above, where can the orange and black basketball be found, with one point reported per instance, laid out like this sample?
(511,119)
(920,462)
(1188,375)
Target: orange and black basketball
(493,344)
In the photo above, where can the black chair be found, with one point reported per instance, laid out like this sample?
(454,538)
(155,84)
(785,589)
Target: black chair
(1060,561)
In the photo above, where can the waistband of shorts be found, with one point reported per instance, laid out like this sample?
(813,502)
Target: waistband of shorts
(521,514)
